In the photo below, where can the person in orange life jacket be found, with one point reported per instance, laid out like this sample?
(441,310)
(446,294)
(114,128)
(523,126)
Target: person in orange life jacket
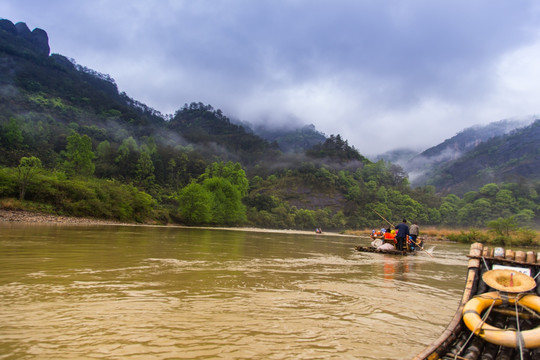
(389,237)
(402,233)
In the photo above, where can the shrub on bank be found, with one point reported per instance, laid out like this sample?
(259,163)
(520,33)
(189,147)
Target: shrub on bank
(472,236)
(518,237)
(93,197)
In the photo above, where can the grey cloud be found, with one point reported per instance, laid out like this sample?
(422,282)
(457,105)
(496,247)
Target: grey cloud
(417,61)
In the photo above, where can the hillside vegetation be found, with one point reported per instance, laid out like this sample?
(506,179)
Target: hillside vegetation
(502,151)
(73,144)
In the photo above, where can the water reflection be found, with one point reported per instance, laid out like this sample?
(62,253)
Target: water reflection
(139,293)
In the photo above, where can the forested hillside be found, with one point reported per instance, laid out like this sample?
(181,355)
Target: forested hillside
(73,144)
(424,168)
(292,140)
(513,157)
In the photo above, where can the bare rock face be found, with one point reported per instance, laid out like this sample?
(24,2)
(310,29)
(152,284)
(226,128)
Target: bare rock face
(37,38)
(41,41)
(8,26)
(23,30)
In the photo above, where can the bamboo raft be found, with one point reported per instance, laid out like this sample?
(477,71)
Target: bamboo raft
(500,304)
(389,252)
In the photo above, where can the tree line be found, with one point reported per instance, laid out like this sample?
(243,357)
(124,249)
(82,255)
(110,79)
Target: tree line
(124,183)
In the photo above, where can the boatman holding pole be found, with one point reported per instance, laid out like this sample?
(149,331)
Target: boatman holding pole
(414,231)
(402,234)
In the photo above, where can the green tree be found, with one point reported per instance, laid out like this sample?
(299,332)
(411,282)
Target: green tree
(233,172)
(434,216)
(489,190)
(470,196)
(382,194)
(505,203)
(305,219)
(11,135)
(338,220)
(28,167)
(195,204)
(127,157)
(480,212)
(79,155)
(105,166)
(144,175)
(464,215)
(502,226)
(449,209)
(227,207)
(524,217)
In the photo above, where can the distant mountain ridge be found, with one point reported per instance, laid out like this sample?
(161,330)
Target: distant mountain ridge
(471,137)
(511,157)
(451,165)
(294,140)
(54,85)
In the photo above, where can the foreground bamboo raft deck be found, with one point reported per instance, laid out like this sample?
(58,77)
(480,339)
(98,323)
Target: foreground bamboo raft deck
(515,331)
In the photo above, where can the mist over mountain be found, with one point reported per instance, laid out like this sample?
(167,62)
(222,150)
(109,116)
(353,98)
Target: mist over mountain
(74,94)
(400,156)
(510,157)
(295,140)
(421,165)
(89,138)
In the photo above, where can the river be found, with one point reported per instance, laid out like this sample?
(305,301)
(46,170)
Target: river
(136,292)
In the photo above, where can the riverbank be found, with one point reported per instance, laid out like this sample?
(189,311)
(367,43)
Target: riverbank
(25,216)
(44,218)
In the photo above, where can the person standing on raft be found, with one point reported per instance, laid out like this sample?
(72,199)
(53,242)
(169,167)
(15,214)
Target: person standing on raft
(402,234)
(414,231)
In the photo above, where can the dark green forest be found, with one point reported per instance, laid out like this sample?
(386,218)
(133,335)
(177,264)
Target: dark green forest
(72,144)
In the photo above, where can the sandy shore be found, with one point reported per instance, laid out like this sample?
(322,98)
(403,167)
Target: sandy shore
(35,217)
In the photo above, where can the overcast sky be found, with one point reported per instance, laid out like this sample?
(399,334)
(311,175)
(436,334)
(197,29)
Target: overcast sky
(384,74)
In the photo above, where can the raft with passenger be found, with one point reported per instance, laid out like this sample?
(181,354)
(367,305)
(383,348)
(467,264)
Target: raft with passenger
(499,313)
(394,251)
(387,245)
(377,234)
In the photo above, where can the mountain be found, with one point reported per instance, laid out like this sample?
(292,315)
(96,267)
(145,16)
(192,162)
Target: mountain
(424,166)
(512,157)
(292,140)
(44,98)
(211,130)
(38,88)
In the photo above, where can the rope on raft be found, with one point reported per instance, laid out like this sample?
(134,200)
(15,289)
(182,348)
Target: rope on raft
(485,263)
(483,320)
(520,341)
(472,332)
(518,334)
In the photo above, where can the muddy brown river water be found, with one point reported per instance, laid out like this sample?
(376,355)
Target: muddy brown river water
(125,292)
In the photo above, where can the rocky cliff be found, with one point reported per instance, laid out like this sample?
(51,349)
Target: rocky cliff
(36,39)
